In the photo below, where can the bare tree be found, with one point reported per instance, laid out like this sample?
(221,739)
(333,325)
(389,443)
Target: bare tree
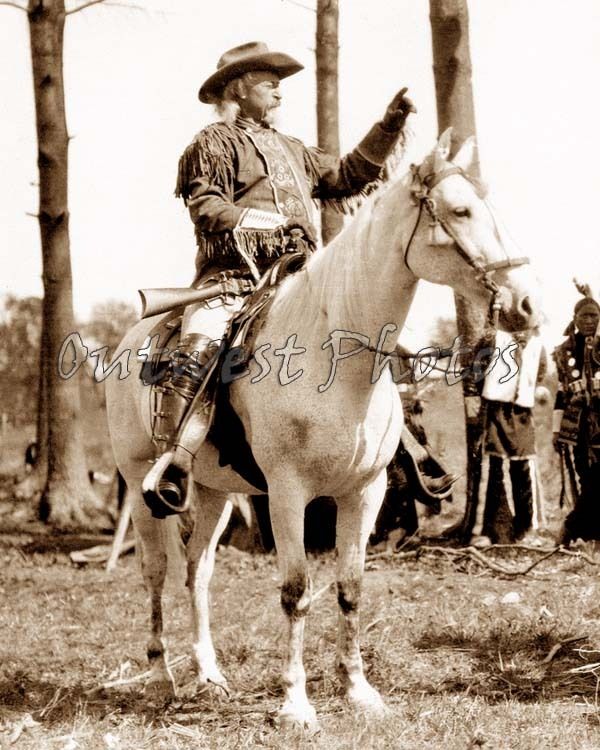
(454,95)
(67,498)
(327,48)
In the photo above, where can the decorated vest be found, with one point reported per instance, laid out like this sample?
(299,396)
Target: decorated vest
(252,167)
(578,366)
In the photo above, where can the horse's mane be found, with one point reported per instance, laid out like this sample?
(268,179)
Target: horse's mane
(328,283)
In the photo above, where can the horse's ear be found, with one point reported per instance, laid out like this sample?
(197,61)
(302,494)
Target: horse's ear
(467,155)
(442,150)
(444,143)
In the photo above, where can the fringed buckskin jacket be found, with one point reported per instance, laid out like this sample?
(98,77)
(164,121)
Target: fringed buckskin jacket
(229,169)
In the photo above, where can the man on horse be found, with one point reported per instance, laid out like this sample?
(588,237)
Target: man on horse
(249,190)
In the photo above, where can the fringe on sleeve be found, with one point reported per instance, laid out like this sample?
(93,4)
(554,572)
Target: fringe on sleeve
(251,242)
(210,155)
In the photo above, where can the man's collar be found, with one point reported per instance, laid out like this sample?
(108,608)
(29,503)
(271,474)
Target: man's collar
(247,124)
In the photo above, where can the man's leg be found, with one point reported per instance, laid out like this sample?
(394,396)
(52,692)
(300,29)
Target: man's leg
(523,488)
(584,520)
(497,519)
(182,432)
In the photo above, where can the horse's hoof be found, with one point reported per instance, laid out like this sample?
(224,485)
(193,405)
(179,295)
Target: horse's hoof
(160,691)
(367,701)
(297,718)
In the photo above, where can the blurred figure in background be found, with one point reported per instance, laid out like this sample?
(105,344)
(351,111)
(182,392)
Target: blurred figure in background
(504,386)
(576,420)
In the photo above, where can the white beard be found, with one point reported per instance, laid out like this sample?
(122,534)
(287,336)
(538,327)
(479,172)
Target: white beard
(271,117)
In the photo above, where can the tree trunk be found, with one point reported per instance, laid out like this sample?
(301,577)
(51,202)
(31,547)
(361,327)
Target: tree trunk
(31,487)
(454,96)
(327,46)
(68,494)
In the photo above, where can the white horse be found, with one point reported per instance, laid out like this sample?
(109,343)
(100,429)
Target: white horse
(318,419)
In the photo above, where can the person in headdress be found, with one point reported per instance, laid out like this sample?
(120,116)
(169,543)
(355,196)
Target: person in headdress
(576,420)
(506,380)
(249,188)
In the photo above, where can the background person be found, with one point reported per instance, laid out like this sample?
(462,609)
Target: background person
(576,420)
(508,502)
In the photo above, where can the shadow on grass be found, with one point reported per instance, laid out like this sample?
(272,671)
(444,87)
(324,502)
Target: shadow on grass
(55,706)
(51,703)
(515,664)
(43,540)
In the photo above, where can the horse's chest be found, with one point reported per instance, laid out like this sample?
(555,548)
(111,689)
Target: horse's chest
(332,452)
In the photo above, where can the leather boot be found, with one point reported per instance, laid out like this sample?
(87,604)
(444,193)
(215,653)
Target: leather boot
(179,433)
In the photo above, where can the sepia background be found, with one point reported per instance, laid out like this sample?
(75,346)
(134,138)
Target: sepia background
(132,71)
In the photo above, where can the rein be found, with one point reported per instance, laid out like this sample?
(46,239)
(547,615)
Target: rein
(483,272)
(406,355)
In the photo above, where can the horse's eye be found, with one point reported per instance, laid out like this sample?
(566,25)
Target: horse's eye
(461,211)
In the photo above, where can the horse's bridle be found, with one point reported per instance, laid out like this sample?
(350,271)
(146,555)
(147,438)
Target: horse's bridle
(483,271)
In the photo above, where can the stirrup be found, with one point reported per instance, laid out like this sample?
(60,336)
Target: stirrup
(440,486)
(163,495)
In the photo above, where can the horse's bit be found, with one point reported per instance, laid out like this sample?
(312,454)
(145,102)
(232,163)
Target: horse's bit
(483,272)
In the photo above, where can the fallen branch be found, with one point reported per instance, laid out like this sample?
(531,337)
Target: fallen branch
(100,553)
(467,552)
(391,553)
(121,682)
(477,554)
(581,555)
(516,546)
(557,647)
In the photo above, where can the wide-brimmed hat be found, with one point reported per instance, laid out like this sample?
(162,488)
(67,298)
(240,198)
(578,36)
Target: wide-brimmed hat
(239,60)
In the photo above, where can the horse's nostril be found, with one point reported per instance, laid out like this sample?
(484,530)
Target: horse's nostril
(526,306)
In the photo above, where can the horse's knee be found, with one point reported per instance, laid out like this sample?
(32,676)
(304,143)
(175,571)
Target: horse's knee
(296,594)
(154,568)
(348,595)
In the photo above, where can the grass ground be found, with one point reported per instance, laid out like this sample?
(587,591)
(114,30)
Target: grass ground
(465,658)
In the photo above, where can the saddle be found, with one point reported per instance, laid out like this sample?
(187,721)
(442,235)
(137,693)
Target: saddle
(226,432)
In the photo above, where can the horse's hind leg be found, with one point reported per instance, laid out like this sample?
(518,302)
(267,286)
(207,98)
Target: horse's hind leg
(356,517)
(287,507)
(212,510)
(152,539)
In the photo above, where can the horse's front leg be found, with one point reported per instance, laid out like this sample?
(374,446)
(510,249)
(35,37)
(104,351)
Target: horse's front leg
(152,537)
(287,507)
(212,513)
(356,517)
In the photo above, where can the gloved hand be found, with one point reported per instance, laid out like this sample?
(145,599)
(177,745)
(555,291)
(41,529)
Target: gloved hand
(309,234)
(398,110)
(556,444)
